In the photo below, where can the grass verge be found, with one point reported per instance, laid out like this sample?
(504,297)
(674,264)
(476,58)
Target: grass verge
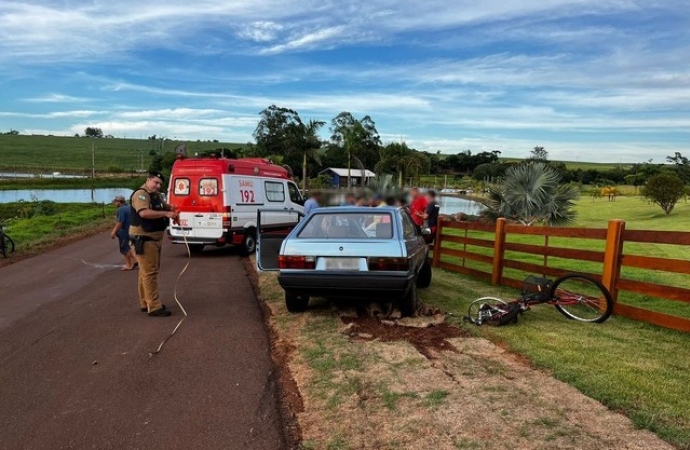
(36,226)
(361,390)
(632,367)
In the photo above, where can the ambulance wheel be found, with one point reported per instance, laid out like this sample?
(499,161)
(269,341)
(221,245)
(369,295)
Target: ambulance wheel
(249,242)
(296,303)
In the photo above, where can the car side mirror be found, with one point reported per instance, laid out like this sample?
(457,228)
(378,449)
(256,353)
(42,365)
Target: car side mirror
(426,231)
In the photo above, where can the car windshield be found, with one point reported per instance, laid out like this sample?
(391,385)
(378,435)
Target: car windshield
(348,226)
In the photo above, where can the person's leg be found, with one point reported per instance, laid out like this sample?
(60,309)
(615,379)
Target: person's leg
(149,265)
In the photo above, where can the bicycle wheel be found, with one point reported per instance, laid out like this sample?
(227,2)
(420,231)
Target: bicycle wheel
(484,309)
(582,298)
(6,246)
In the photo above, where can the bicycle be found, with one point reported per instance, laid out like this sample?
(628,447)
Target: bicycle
(576,296)
(6,243)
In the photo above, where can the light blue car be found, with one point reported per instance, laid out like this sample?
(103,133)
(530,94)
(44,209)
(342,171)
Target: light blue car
(349,253)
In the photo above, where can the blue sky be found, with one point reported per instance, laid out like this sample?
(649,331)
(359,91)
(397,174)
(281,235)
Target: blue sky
(603,80)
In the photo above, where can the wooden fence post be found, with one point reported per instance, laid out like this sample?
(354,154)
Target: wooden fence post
(499,251)
(436,261)
(612,256)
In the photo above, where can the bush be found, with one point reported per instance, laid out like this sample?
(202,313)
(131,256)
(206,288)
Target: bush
(664,190)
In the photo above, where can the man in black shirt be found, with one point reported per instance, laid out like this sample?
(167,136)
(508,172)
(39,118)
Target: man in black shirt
(431,214)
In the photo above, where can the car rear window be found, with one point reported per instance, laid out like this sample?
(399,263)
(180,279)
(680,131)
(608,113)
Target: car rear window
(348,226)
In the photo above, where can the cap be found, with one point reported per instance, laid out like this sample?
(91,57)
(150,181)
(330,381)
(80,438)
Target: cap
(157,175)
(119,198)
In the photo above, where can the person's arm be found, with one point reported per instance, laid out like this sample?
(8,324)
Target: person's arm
(151,214)
(116,228)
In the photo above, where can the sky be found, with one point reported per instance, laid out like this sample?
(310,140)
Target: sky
(599,80)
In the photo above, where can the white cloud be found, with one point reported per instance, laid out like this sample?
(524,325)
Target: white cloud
(170,114)
(308,40)
(52,115)
(263,31)
(56,98)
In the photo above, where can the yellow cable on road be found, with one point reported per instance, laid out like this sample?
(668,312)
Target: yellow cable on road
(184,269)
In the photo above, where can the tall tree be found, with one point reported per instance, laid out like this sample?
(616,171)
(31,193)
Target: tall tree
(304,139)
(356,138)
(272,131)
(532,193)
(93,132)
(539,154)
(398,158)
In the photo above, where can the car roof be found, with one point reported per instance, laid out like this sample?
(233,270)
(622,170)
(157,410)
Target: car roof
(351,209)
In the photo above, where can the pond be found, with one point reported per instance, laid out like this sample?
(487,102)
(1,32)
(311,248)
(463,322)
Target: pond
(455,205)
(100,195)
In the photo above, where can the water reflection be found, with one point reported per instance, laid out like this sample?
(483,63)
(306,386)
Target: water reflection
(101,195)
(455,205)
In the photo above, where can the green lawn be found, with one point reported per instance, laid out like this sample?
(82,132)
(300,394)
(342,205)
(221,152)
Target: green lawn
(638,215)
(34,225)
(639,369)
(49,154)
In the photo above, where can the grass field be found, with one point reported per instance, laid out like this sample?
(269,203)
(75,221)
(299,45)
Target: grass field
(639,369)
(36,225)
(638,215)
(47,154)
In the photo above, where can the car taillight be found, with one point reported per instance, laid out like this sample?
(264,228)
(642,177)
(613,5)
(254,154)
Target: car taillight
(391,264)
(296,262)
(227,217)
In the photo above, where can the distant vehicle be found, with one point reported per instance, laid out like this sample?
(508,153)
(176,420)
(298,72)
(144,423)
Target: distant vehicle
(218,199)
(348,253)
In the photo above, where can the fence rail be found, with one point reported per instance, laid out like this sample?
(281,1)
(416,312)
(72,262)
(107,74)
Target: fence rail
(455,250)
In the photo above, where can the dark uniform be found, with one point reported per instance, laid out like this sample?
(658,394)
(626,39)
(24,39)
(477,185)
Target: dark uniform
(147,235)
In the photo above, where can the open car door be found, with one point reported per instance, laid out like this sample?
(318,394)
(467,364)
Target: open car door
(270,237)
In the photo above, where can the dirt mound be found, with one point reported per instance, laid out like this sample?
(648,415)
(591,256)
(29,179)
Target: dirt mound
(425,339)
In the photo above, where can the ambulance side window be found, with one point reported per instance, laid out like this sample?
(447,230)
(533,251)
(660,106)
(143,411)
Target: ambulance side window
(275,192)
(208,186)
(181,186)
(295,196)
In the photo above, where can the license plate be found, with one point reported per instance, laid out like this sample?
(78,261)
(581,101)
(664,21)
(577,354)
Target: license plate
(342,263)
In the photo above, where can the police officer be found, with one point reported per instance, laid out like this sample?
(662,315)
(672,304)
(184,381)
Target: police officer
(150,217)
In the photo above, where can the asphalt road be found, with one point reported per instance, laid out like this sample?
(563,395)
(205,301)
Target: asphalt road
(75,371)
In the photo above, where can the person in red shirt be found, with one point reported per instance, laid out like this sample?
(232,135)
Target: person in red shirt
(417,207)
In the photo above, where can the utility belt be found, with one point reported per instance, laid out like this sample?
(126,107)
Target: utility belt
(138,243)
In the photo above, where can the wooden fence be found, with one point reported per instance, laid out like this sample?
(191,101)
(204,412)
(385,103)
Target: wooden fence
(491,263)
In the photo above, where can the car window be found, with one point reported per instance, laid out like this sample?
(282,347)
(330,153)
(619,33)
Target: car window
(275,192)
(409,229)
(348,226)
(295,196)
(181,186)
(208,186)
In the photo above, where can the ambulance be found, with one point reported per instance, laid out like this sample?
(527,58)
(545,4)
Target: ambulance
(218,199)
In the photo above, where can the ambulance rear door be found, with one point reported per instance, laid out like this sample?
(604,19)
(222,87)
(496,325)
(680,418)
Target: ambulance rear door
(201,214)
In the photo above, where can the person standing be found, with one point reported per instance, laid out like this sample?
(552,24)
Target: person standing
(150,217)
(313,203)
(431,215)
(121,231)
(417,208)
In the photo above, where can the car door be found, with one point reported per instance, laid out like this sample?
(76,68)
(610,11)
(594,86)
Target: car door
(414,243)
(270,239)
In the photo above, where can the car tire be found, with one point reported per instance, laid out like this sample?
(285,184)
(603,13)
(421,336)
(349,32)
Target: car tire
(409,305)
(296,303)
(424,277)
(249,242)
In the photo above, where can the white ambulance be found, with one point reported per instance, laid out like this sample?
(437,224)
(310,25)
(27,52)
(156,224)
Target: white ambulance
(218,199)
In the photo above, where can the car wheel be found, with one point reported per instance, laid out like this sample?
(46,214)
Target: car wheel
(424,277)
(410,302)
(296,303)
(249,242)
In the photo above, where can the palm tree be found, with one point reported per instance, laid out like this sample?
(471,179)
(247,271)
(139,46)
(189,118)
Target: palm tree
(531,193)
(401,159)
(311,146)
